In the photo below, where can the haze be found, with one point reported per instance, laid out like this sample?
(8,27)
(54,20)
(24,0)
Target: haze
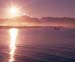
(41,8)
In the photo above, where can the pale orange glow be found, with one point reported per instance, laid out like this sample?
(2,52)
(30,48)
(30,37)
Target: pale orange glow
(13,36)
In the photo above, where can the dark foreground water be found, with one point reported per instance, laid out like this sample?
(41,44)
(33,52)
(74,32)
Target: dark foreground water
(37,45)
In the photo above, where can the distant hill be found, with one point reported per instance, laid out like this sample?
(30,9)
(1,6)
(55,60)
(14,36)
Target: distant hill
(44,21)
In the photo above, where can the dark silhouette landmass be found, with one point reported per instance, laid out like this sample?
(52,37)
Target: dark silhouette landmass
(26,21)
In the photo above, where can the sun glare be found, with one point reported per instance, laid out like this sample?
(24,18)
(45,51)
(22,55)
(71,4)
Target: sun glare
(13,11)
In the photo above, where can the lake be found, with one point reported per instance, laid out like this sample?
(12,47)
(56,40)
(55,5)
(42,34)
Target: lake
(41,44)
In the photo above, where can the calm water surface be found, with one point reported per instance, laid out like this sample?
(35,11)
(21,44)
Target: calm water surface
(37,45)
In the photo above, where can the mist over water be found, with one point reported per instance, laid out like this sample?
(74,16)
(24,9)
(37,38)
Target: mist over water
(37,45)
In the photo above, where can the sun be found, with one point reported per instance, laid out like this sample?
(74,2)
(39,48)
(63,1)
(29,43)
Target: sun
(13,11)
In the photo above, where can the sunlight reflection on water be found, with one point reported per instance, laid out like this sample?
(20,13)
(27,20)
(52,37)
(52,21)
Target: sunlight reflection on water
(13,32)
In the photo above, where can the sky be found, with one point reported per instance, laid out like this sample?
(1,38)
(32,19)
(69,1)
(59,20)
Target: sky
(41,8)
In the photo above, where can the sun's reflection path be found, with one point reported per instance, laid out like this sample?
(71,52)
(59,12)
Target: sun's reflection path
(13,32)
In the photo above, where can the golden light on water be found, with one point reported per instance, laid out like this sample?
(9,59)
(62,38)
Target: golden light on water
(13,36)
